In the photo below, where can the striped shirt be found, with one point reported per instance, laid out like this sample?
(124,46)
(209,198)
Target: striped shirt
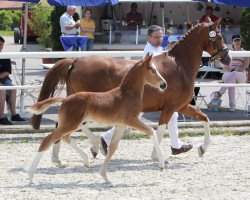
(237,63)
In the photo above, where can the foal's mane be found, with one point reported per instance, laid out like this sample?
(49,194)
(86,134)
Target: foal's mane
(131,71)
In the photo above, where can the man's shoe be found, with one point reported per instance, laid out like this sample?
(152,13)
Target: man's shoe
(5,121)
(183,149)
(104,147)
(17,118)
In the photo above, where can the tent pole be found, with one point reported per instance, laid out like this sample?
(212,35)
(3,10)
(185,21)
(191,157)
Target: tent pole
(23,59)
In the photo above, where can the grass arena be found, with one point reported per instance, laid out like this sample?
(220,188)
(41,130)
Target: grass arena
(222,173)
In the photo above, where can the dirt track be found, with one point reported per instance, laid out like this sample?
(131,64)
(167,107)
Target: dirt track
(223,173)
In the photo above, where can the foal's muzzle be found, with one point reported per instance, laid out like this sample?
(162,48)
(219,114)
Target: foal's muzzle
(163,85)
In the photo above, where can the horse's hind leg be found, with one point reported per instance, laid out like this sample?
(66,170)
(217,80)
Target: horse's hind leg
(55,152)
(94,141)
(193,112)
(82,153)
(46,143)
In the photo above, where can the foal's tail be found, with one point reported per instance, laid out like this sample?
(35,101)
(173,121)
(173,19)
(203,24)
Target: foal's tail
(42,106)
(57,74)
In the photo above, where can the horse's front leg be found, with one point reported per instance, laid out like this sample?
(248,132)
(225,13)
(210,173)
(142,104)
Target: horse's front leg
(136,123)
(82,153)
(118,131)
(193,112)
(55,155)
(94,141)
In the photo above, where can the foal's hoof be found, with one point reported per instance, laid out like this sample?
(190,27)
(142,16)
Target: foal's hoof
(200,151)
(87,167)
(93,152)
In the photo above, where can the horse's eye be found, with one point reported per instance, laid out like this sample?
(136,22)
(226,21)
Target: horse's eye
(153,71)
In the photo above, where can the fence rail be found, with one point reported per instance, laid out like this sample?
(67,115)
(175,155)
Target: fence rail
(72,54)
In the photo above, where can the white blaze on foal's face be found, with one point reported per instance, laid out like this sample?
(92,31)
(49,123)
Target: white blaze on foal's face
(155,79)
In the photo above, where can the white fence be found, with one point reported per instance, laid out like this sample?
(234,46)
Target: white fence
(73,54)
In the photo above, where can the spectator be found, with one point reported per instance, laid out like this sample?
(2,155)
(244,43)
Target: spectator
(67,23)
(133,18)
(209,14)
(87,28)
(9,95)
(234,73)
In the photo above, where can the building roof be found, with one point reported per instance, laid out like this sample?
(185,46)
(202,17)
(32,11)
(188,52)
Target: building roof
(8,5)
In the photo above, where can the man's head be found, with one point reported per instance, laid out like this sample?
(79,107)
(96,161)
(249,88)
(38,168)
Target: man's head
(2,41)
(155,35)
(71,10)
(133,6)
(209,10)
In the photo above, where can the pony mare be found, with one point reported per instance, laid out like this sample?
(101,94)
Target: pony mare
(120,106)
(179,66)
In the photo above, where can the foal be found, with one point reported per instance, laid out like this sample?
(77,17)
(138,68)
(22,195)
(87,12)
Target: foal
(120,106)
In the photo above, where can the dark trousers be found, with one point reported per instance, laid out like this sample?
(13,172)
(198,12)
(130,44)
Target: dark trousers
(196,92)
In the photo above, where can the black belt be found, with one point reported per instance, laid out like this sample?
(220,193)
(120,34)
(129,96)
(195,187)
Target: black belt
(237,70)
(69,34)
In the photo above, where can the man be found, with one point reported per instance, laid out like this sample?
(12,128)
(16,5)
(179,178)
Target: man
(209,14)
(133,18)
(9,95)
(68,25)
(155,37)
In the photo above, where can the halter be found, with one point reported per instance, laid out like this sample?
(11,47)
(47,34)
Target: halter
(212,36)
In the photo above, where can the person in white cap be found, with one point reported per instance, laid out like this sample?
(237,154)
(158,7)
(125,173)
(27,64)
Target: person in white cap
(153,46)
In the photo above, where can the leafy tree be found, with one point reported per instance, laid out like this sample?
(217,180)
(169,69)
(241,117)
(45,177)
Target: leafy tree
(41,23)
(245,27)
(56,29)
(5,20)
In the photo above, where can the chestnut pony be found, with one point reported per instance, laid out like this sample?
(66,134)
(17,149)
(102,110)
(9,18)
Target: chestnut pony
(120,106)
(179,67)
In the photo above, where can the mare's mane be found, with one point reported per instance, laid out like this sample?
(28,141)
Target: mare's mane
(184,37)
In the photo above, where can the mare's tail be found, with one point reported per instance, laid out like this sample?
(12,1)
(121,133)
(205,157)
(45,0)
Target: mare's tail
(57,74)
(42,106)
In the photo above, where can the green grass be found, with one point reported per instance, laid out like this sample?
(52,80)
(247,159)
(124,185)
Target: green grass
(6,33)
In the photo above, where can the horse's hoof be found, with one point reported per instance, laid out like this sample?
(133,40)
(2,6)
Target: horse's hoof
(62,164)
(87,166)
(167,164)
(94,154)
(161,169)
(200,151)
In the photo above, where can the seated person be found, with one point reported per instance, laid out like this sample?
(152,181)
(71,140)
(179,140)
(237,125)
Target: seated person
(9,95)
(234,73)
(133,18)
(209,14)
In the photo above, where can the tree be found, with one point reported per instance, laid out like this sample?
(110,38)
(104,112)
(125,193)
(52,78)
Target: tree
(41,23)
(245,27)
(56,29)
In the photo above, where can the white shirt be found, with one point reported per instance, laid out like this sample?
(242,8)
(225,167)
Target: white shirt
(149,48)
(66,20)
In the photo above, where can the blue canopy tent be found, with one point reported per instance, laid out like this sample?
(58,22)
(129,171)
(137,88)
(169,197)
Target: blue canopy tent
(241,3)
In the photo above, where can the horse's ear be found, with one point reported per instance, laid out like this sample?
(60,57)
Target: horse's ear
(147,55)
(147,59)
(217,23)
